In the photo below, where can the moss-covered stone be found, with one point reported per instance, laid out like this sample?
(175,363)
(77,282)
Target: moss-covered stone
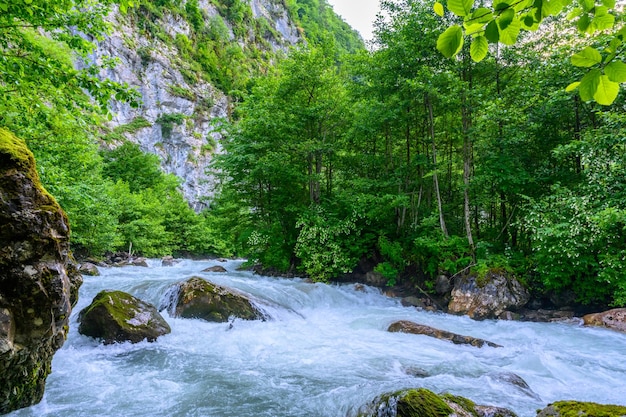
(115,316)
(582,409)
(198,298)
(38,279)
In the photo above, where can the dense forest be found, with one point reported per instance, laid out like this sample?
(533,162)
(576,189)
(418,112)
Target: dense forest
(335,155)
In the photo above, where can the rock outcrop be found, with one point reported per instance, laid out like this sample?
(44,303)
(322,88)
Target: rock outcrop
(200,299)
(38,279)
(422,402)
(405,326)
(576,408)
(613,319)
(115,316)
(487,297)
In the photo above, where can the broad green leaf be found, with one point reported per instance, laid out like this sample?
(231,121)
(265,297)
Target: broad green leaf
(450,42)
(609,3)
(438,8)
(583,23)
(479,48)
(588,57)
(528,23)
(500,5)
(613,45)
(577,11)
(587,5)
(551,7)
(473,28)
(606,92)
(481,15)
(589,84)
(506,18)
(573,86)
(4,6)
(616,71)
(600,11)
(509,35)
(522,4)
(603,22)
(28,1)
(492,33)
(460,7)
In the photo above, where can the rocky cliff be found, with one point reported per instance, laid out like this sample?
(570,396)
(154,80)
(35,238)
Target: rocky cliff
(159,52)
(38,280)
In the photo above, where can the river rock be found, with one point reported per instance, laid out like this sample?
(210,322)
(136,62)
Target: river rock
(115,316)
(576,408)
(405,326)
(198,298)
(613,319)
(422,402)
(488,297)
(143,262)
(216,268)
(509,378)
(169,261)
(87,268)
(38,279)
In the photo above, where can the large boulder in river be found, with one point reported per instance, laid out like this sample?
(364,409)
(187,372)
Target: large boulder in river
(87,268)
(583,409)
(38,279)
(613,319)
(405,326)
(424,403)
(198,298)
(115,316)
(487,297)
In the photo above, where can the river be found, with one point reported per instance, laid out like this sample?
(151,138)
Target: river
(325,352)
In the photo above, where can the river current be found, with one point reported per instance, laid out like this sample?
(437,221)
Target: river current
(324,352)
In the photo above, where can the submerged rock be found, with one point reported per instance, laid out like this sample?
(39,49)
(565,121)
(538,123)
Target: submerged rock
(487,298)
(405,326)
(198,298)
(169,261)
(115,316)
(613,319)
(38,279)
(88,268)
(424,403)
(576,408)
(216,268)
(515,380)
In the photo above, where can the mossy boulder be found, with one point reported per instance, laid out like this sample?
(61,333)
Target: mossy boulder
(405,326)
(201,299)
(87,268)
(613,319)
(425,403)
(39,280)
(581,409)
(487,297)
(115,316)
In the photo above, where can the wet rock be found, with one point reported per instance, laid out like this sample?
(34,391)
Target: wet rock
(442,285)
(169,261)
(413,301)
(375,279)
(416,372)
(115,316)
(198,298)
(545,315)
(576,408)
(613,319)
(38,279)
(509,378)
(422,402)
(405,326)
(90,269)
(216,268)
(139,262)
(488,297)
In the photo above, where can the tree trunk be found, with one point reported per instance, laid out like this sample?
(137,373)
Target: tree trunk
(431,120)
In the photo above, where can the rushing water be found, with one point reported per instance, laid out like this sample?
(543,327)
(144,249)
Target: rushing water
(325,352)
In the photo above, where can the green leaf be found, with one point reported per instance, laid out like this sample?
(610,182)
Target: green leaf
(509,35)
(28,1)
(616,71)
(609,3)
(492,33)
(603,22)
(501,5)
(573,86)
(589,84)
(528,23)
(506,18)
(481,15)
(587,5)
(438,8)
(607,91)
(479,48)
(583,23)
(450,42)
(588,57)
(460,7)
(577,11)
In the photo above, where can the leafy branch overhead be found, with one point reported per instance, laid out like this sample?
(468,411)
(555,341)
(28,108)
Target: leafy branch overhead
(505,19)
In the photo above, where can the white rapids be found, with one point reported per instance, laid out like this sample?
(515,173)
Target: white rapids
(324,352)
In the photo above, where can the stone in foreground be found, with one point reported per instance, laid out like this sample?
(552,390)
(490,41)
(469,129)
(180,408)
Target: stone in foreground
(38,279)
(200,299)
(405,326)
(613,319)
(424,403)
(115,316)
(581,409)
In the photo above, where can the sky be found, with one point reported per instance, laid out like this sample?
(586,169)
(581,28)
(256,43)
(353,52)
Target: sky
(360,14)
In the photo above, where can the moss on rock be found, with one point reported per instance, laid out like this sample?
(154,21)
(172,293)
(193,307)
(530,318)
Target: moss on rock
(582,409)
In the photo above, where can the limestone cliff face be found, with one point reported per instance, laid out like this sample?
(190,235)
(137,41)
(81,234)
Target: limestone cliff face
(38,280)
(177,120)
